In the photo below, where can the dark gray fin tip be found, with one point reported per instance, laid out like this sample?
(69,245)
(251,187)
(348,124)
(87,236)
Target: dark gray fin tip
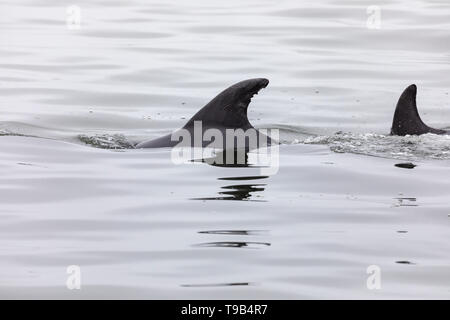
(412,89)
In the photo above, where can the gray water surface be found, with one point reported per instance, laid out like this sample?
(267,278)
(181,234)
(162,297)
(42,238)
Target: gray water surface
(346,195)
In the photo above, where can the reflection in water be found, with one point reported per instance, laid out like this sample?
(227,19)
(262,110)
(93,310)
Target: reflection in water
(404,262)
(234,244)
(234,232)
(408,165)
(232,159)
(244,178)
(406,202)
(24,164)
(230,284)
(241,192)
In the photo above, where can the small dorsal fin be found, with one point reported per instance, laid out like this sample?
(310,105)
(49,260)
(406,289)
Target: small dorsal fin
(407,120)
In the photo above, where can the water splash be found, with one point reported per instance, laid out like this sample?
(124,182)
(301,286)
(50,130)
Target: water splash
(5,132)
(107,141)
(427,146)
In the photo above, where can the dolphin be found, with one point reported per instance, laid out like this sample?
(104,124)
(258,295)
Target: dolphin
(407,119)
(228,110)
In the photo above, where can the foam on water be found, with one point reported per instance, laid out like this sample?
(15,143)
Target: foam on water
(107,141)
(427,146)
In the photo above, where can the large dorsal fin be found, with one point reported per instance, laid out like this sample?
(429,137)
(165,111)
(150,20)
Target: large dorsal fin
(407,120)
(228,110)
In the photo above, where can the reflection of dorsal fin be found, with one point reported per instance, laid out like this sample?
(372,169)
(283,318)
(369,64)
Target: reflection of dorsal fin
(407,119)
